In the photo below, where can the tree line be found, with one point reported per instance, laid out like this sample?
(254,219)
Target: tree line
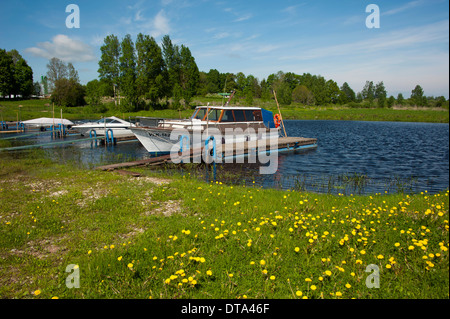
(141,74)
(145,73)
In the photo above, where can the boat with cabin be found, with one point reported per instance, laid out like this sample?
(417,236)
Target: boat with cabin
(233,124)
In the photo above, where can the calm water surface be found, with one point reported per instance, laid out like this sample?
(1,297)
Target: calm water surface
(352,157)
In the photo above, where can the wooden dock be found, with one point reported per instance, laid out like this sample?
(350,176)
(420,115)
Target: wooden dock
(244,148)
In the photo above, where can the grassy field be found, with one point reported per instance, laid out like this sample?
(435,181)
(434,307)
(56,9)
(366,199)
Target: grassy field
(10,111)
(156,236)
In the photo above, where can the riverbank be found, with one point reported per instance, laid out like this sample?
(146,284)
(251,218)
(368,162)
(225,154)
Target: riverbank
(156,236)
(29,109)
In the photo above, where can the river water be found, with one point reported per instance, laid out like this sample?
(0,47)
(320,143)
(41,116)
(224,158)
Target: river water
(352,157)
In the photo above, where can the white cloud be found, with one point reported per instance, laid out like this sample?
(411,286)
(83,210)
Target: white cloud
(221,35)
(64,48)
(160,24)
(407,6)
(243,18)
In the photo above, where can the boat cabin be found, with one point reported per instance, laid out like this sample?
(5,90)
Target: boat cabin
(224,114)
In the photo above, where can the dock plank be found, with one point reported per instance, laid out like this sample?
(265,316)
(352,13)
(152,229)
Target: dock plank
(290,143)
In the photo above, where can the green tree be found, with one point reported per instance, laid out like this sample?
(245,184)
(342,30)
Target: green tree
(151,75)
(400,99)
(127,75)
(109,64)
(56,70)
(332,91)
(390,101)
(68,93)
(417,96)
(6,74)
(72,73)
(346,94)
(189,75)
(368,92)
(93,92)
(284,94)
(302,94)
(23,75)
(172,59)
(380,94)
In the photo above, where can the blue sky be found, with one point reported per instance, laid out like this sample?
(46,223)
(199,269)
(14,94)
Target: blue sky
(323,37)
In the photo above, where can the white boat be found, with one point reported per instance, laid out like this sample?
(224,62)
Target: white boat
(119,127)
(233,124)
(45,122)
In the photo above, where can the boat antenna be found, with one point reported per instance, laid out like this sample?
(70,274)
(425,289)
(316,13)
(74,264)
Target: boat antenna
(224,88)
(231,96)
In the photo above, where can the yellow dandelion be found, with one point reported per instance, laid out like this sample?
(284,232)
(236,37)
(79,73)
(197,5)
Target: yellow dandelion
(297,249)
(272,277)
(338,294)
(37,292)
(262,262)
(119,258)
(313,287)
(130,265)
(299,293)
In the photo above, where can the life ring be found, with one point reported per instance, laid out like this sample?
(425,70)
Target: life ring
(277,120)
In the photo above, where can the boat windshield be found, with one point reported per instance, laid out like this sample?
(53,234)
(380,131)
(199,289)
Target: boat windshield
(214,115)
(199,114)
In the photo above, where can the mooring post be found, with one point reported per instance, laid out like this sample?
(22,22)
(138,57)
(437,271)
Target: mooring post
(108,140)
(184,137)
(214,154)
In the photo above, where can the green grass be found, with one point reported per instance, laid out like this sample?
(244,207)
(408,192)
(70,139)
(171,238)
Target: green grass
(177,237)
(30,109)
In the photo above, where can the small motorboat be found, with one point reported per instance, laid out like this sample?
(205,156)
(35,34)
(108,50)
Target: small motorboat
(119,127)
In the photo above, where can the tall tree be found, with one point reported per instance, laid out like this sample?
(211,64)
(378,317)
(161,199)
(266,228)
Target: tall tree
(368,92)
(109,64)
(23,75)
(6,73)
(172,59)
(189,74)
(400,99)
(56,70)
(347,94)
(72,73)
(127,75)
(151,72)
(380,94)
(417,96)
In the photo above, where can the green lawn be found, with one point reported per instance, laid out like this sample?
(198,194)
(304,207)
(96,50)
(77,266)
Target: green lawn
(10,111)
(176,237)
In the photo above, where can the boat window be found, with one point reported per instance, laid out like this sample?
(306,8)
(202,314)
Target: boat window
(257,114)
(214,115)
(227,116)
(239,116)
(200,114)
(249,116)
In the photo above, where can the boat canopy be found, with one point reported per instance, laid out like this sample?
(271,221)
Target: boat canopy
(268,119)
